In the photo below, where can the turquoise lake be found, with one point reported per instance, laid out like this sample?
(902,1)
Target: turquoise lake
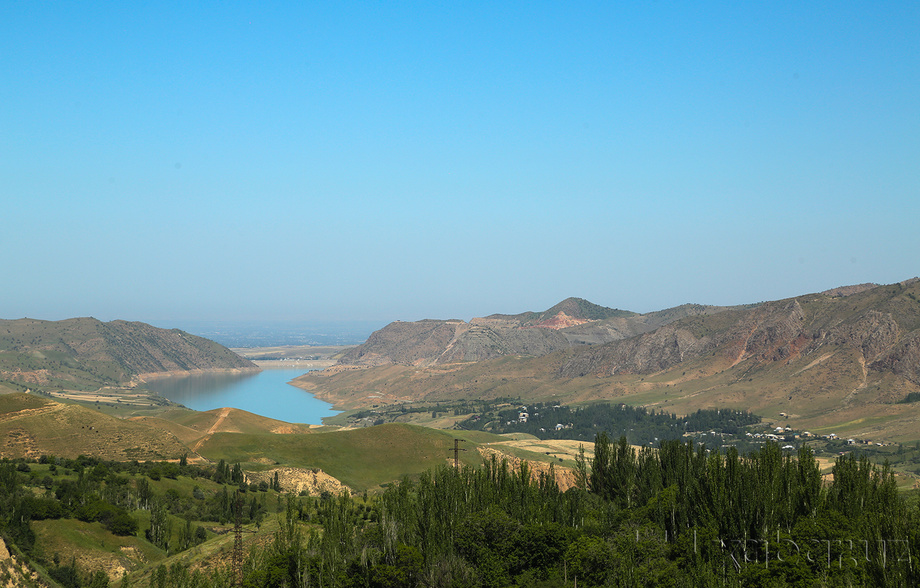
(265,393)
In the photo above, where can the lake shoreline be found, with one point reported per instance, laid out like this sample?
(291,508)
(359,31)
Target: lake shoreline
(267,392)
(145,378)
(287,363)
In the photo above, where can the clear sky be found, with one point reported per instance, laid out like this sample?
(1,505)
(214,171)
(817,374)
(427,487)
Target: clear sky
(405,160)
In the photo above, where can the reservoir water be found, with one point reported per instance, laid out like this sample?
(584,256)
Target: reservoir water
(265,393)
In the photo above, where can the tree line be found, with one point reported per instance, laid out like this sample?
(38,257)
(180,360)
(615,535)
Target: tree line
(639,425)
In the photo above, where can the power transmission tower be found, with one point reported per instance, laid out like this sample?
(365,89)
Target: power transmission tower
(457,451)
(238,541)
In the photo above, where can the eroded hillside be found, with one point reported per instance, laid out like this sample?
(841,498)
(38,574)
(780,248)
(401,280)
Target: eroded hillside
(845,360)
(571,323)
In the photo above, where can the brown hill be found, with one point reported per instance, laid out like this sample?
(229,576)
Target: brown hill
(31,426)
(617,328)
(881,323)
(843,361)
(407,343)
(85,353)
(572,322)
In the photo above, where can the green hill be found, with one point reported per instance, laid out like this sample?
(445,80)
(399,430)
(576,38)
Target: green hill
(580,308)
(360,458)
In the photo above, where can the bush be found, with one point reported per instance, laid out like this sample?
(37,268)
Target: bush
(43,508)
(123,524)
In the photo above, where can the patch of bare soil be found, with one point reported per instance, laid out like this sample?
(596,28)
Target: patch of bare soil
(114,564)
(297,480)
(564,448)
(560,321)
(27,412)
(27,377)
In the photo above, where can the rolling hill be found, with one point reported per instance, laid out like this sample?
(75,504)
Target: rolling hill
(31,426)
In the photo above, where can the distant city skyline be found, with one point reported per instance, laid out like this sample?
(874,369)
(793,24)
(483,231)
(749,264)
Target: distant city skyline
(374,162)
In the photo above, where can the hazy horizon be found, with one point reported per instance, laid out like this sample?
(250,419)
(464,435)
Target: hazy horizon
(379,162)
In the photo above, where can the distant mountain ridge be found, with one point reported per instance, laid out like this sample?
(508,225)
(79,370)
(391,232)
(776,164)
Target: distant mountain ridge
(572,322)
(846,360)
(85,353)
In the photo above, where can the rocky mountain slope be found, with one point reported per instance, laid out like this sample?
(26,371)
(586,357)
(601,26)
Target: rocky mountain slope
(572,322)
(881,323)
(85,353)
(845,360)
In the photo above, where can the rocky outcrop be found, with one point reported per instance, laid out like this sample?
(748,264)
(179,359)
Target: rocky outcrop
(297,480)
(902,359)
(564,477)
(14,572)
(478,343)
(647,353)
(560,320)
(874,333)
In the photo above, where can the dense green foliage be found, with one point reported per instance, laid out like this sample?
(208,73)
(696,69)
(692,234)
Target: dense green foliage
(911,397)
(113,494)
(677,516)
(670,517)
(639,425)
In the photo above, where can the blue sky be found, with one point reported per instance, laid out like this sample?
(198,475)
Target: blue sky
(405,160)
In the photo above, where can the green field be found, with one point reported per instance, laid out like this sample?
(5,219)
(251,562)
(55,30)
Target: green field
(360,458)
